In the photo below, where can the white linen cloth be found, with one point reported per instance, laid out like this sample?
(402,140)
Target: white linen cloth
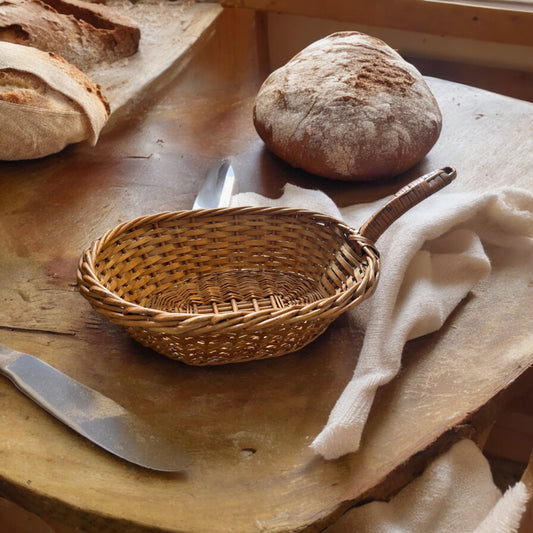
(431,257)
(455,493)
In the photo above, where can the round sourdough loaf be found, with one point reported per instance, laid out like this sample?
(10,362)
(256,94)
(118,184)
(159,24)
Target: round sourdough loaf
(45,104)
(348,107)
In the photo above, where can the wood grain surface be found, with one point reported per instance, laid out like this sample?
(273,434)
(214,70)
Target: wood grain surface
(170,33)
(246,427)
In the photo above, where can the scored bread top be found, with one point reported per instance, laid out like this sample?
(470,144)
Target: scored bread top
(83,33)
(348,107)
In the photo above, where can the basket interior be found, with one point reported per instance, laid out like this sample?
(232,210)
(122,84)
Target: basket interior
(222,263)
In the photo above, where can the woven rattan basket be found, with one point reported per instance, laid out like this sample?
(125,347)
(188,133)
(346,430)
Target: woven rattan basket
(225,285)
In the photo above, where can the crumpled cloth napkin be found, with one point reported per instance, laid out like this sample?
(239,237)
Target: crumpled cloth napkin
(455,493)
(431,257)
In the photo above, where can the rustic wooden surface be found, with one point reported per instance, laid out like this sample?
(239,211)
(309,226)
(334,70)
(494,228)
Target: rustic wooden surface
(170,33)
(246,427)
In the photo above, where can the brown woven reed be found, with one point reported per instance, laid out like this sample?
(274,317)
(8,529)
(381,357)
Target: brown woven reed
(226,285)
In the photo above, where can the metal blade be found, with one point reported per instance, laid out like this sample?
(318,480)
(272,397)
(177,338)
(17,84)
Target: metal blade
(217,188)
(90,413)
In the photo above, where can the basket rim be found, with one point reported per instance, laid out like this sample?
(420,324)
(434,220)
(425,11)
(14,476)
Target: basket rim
(241,210)
(122,312)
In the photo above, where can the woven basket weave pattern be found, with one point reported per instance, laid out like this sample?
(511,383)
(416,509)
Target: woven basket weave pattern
(224,285)
(227,285)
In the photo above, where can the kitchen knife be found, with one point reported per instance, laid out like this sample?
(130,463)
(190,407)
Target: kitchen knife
(91,414)
(218,187)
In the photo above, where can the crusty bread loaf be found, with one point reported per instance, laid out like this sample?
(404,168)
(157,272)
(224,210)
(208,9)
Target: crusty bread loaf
(348,107)
(45,104)
(83,33)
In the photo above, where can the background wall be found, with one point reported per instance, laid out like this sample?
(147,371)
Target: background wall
(287,34)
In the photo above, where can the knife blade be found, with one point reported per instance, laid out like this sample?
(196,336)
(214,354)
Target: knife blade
(218,187)
(91,414)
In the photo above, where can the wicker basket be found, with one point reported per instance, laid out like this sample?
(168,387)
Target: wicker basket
(225,285)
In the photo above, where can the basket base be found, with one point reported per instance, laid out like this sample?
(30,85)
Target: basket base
(238,290)
(224,348)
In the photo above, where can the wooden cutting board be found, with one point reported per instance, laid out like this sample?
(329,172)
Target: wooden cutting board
(171,30)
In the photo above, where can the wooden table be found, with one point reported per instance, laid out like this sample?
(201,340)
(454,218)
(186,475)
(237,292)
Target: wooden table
(246,427)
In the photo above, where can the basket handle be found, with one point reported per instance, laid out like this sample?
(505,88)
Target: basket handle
(404,199)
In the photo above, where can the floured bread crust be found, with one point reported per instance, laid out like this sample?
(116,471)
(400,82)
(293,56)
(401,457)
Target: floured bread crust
(348,107)
(83,33)
(45,104)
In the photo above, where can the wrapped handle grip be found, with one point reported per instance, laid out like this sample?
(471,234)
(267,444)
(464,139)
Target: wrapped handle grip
(404,199)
